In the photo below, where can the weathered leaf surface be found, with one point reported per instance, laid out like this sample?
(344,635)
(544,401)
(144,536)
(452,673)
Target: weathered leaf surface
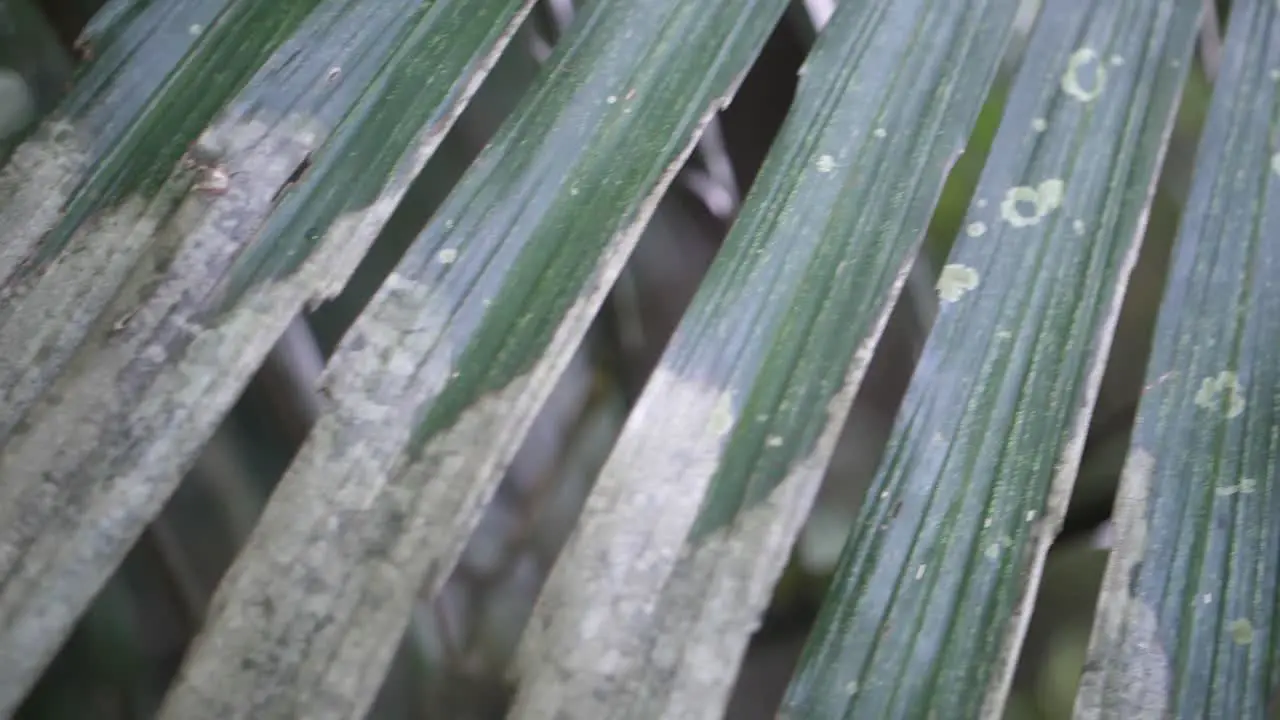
(695,514)
(1187,621)
(430,393)
(149,260)
(933,591)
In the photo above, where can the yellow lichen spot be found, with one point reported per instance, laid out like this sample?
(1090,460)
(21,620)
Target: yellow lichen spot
(1039,124)
(976,229)
(880,132)
(1078,226)
(1241,631)
(1214,388)
(826,163)
(1080,61)
(1275,163)
(722,416)
(1043,199)
(955,281)
(447,256)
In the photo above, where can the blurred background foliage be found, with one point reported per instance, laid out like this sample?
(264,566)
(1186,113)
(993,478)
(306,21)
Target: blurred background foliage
(451,662)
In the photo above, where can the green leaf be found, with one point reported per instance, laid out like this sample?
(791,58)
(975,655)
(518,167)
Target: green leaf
(1187,622)
(694,516)
(926,613)
(432,390)
(147,294)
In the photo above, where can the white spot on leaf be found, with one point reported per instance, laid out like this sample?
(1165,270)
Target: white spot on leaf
(976,229)
(1078,226)
(1245,487)
(774,441)
(1275,163)
(880,132)
(1043,199)
(826,163)
(1214,389)
(1039,124)
(447,256)
(1081,60)
(956,280)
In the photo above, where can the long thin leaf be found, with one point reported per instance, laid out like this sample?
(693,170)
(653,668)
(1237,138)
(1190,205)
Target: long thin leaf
(432,390)
(699,505)
(1187,621)
(137,298)
(933,592)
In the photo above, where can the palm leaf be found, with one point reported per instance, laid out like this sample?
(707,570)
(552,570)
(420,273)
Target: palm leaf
(1186,623)
(431,391)
(934,588)
(725,450)
(151,259)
